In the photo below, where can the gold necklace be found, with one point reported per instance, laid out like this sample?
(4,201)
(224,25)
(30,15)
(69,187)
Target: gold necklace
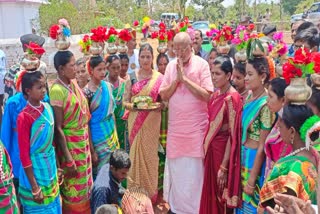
(254,98)
(142,77)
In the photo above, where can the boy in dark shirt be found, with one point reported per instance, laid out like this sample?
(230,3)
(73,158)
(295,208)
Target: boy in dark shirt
(107,187)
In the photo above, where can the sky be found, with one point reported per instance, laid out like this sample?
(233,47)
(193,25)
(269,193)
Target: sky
(227,3)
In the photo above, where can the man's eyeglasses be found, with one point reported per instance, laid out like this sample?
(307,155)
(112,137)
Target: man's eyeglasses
(296,47)
(182,51)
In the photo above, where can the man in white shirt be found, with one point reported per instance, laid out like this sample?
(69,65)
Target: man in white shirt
(133,53)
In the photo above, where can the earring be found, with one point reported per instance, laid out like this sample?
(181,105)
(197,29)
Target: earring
(262,81)
(291,141)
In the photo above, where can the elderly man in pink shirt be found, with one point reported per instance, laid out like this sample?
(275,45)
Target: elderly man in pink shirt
(187,86)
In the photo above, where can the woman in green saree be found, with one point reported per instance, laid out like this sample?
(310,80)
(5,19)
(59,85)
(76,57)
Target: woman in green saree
(113,67)
(296,173)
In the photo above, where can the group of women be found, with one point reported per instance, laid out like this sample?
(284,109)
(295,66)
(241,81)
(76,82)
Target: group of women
(63,143)
(253,146)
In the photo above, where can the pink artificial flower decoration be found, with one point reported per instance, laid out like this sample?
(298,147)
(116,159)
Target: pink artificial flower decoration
(236,41)
(240,28)
(63,22)
(191,33)
(144,30)
(278,36)
(284,49)
(270,47)
(212,32)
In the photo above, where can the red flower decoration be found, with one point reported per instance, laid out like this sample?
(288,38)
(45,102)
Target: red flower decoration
(162,36)
(224,35)
(170,35)
(302,56)
(54,31)
(162,25)
(135,23)
(154,35)
(315,57)
(182,24)
(34,48)
(99,34)
(112,31)
(125,35)
(251,27)
(290,71)
(86,38)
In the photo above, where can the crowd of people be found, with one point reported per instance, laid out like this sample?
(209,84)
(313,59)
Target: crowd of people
(225,138)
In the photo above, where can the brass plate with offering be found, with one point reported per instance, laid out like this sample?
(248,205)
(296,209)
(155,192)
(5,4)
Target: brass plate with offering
(145,103)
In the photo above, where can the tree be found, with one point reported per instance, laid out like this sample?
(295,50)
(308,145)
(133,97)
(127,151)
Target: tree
(289,6)
(190,12)
(207,3)
(300,7)
(182,7)
(214,12)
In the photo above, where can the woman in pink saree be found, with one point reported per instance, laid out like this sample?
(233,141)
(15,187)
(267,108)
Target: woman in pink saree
(143,126)
(221,186)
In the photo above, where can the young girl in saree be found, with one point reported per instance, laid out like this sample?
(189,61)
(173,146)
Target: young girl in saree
(101,103)
(39,187)
(238,75)
(72,115)
(221,187)
(144,126)
(296,173)
(275,148)
(8,199)
(257,121)
(114,67)
(124,60)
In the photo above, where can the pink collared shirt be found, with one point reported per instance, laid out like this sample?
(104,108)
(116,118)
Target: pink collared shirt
(188,115)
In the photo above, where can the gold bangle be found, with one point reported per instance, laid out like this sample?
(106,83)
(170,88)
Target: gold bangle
(223,168)
(128,106)
(251,187)
(37,193)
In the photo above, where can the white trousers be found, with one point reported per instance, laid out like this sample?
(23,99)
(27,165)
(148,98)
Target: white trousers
(183,180)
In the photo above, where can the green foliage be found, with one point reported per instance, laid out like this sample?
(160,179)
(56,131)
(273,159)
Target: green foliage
(289,6)
(119,12)
(190,12)
(305,3)
(214,13)
(80,21)
(206,3)
(51,13)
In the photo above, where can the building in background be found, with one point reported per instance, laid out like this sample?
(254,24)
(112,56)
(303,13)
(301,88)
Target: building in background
(19,17)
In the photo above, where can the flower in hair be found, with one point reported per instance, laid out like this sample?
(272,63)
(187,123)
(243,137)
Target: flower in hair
(311,125)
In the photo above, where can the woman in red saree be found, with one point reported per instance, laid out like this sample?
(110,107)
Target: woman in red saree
(221,187)
(144,126)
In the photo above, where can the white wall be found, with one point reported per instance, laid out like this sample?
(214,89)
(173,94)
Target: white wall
(15,18)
